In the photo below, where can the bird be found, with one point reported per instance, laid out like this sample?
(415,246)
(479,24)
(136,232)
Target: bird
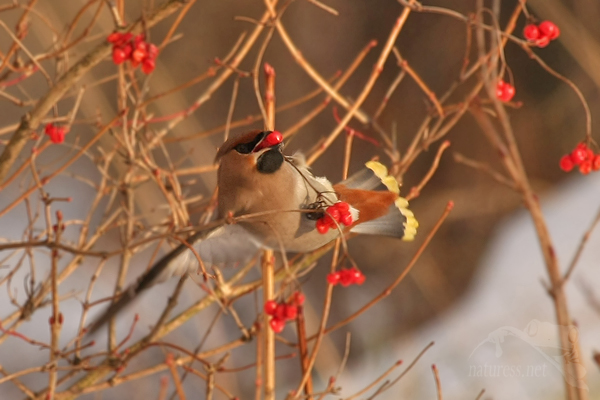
(285,208)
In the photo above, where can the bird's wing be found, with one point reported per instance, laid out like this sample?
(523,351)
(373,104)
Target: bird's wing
(226,245)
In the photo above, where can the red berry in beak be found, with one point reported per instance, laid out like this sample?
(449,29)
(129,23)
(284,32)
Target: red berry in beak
(272,139)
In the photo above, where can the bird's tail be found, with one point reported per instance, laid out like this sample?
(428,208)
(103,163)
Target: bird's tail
(381,212)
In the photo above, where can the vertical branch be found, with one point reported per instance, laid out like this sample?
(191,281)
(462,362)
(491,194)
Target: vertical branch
(511,159)
(56,318)
(268,333)
(303,349)
(321,333)
(268,259)
(270,97)
(259,357)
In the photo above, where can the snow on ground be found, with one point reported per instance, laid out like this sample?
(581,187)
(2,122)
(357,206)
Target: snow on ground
(502,335)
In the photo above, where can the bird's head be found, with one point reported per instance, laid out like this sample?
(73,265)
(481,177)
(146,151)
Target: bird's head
(256,151)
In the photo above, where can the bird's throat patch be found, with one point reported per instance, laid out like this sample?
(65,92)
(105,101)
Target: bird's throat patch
(270,161)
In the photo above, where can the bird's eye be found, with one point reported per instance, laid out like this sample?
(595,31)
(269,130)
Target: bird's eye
(244,148)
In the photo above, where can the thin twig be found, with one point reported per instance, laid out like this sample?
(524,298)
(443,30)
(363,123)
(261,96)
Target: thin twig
(579,251)
(438,384)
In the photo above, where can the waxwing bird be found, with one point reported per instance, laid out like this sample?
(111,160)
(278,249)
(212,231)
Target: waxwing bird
(287,208)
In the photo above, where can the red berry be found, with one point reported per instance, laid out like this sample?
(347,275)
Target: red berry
(139,38)
(346,219)
(334,213)
(56,133)
(114,37)
(596,162)
(270,140)
(59,136)
(500,88)
(143,46)
(270,307)
(49,128)
(579,155)
(138,55)
(361,279)
(334,278)
(280,311)
(291,311)
(118,56)
(358,276)
(322,226)
(542,42)
(128,49)
(531,32)
(273,138)
(589,154)
(298,298)
(549,28)
(152,50)
(346,278)
(586,167)
(277,325)
(505,91)
(566,163)
(148,66)
(343,206)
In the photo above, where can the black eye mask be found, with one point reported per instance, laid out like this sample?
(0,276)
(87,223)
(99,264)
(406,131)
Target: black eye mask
(247,148)
(270,161)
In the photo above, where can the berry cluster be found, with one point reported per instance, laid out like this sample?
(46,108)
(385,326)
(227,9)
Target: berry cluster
(583,157)
(541,34)
(505,91)
(339,212)
(127,47)
(346,277)
(56,133)
(270,140)
(282,312)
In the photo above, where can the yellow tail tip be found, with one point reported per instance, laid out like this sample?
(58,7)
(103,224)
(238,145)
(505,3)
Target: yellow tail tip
(411,224)
(381,172)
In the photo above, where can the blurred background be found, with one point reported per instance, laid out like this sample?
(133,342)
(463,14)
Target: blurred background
(481,275)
